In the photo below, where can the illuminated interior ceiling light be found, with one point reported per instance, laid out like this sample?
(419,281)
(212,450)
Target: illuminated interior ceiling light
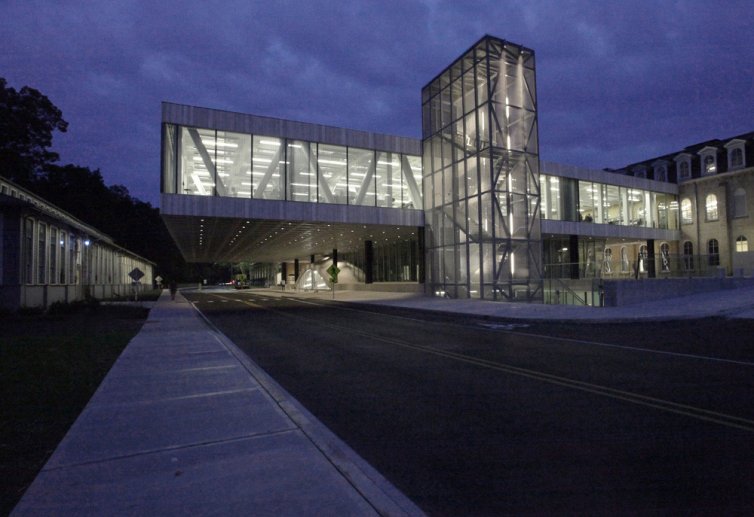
(331,162)
(275,143)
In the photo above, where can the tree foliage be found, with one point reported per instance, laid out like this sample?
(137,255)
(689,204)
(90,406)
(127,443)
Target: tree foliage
(27,122)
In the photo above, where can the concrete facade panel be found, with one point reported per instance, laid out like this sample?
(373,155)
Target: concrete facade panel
(269,126)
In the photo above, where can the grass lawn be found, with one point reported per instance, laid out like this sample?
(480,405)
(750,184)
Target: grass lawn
(50,366)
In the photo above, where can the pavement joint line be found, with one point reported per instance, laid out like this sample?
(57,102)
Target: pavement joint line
(206,368)
(635,398)
(182,397)
(171,448)
(300,416)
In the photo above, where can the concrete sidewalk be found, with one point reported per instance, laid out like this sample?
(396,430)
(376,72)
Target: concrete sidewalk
(184,423)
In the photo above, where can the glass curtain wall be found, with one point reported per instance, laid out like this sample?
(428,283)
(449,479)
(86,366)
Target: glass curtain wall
(206,162)
(568,199)
(481,175)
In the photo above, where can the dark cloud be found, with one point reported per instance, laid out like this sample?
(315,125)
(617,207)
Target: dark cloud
(617,81)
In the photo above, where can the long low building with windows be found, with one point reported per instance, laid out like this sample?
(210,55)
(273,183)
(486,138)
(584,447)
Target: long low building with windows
(49,256)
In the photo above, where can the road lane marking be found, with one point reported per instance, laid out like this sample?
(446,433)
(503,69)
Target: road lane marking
(491,327)
(724,419)
(636,398)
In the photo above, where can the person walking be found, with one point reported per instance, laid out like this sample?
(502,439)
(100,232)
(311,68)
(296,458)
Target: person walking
(173,288)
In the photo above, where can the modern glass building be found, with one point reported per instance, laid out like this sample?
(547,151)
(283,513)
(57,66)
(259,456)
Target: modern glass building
(465,212)
(481,175)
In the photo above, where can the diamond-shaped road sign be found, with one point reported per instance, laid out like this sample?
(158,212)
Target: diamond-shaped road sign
(136,274)
(333,271)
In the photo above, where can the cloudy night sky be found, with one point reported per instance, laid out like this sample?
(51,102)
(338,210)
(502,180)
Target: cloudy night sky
(618,82)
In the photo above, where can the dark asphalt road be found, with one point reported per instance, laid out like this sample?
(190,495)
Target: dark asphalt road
(478,417)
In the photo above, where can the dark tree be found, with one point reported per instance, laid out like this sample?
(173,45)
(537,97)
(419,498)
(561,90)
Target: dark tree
(27,122)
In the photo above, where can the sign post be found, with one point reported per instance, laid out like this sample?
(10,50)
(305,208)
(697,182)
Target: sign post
(333,271)
(136,274)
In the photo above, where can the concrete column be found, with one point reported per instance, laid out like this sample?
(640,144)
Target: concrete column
(573,255)
(651,269)
(284,272)
(368,262)
(295,269)
(420,258)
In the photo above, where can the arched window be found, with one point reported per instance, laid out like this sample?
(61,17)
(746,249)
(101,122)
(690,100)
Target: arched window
(739,203)
(736,158)
(688,255)
(742,245)
(685,170)
(686,217)
(665,256)
(710,167)
(660,173)
(713,251)
(607,261)
(710,206)
(623,259)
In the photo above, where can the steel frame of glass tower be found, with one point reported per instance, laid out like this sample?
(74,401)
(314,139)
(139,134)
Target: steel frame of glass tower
(481,175)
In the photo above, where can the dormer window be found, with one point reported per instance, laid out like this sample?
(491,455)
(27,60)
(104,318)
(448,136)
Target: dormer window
(683,164)
(660,170)
(736,158)
(708,157)
(736,155)
(640,172)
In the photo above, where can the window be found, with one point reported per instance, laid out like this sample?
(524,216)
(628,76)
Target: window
(660,172)
(28,251)
(685,170)
(42,258)
(742,245)
(739,203)
(736,158)
(62,256)
(710,167)
(72,259)
(268,168)
(713,251)
(736,155)
(688,255)
(53,255)
(711,207)
(686,216)
(683,165)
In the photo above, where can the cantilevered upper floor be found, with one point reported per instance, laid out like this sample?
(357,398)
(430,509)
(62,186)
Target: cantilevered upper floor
(285,176)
